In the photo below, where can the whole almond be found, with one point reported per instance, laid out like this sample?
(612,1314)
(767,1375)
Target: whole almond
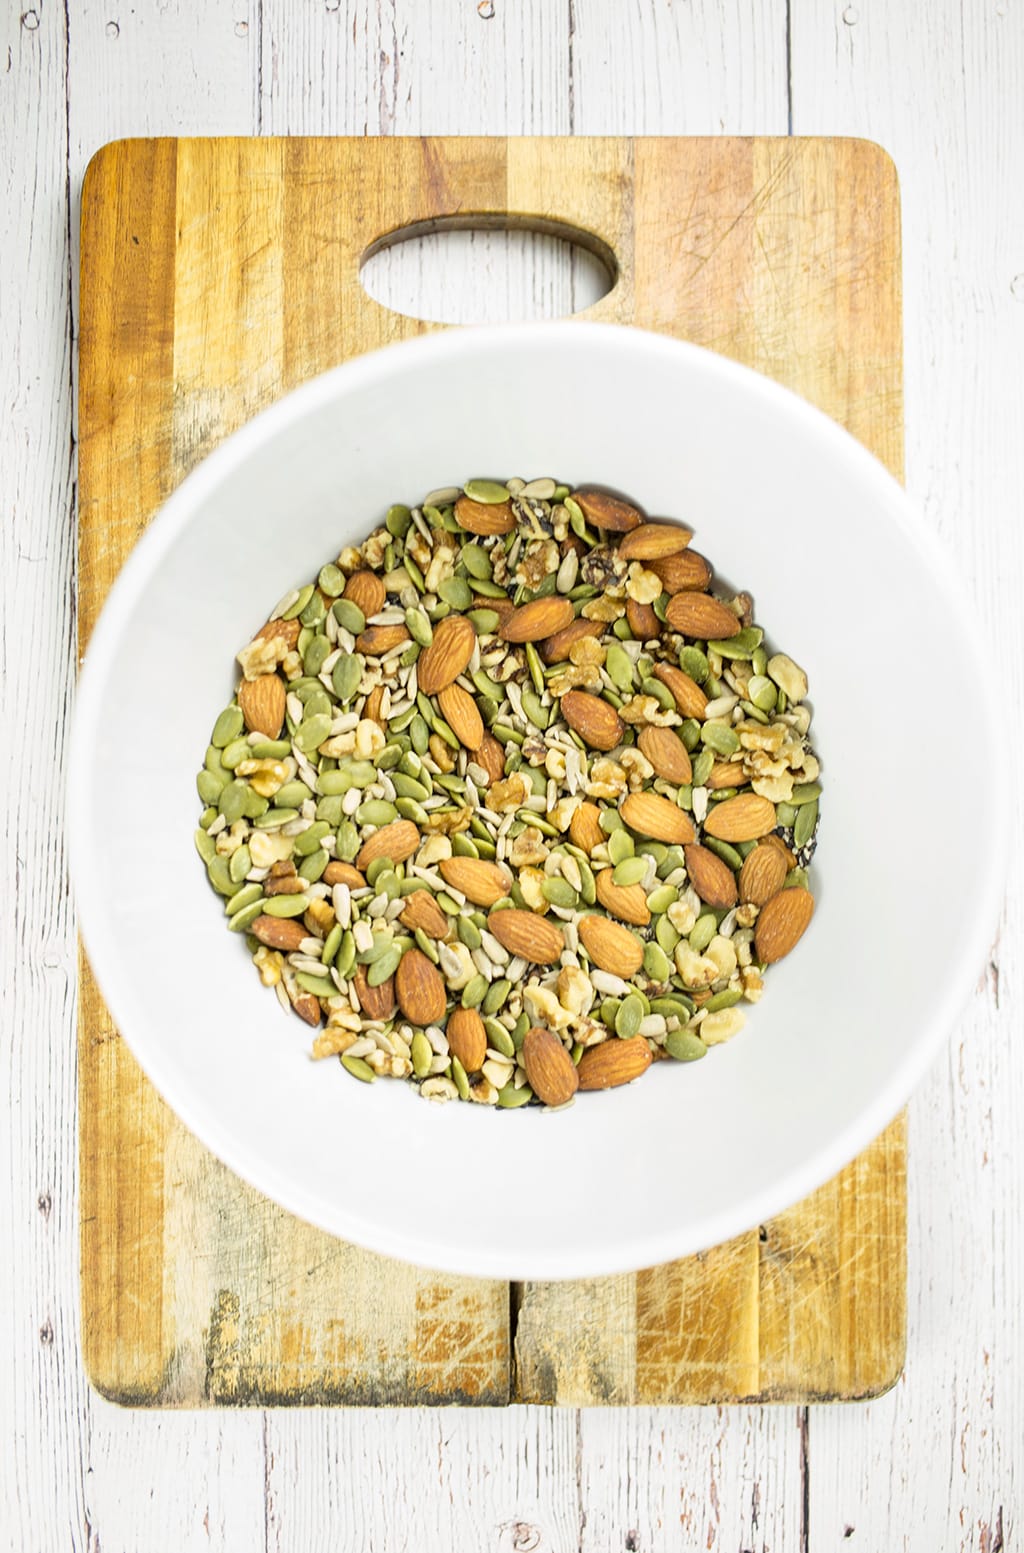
(699,615)
(597,722)
(649,814)
(375,1002)
(397,841)
(286,632)
(372,710)
(491,758)
(537,620)
(556,648)
(612,947)
(667,754)
(762,875)
(419,988)
(625,901)
(366,591)
(422,912)
(307,1006)
(726,773)
(712,878)
(344,873)
(528,935)
(746,817)
(462,715)
(608,512)
(642,621)
(467,1038)
(443,661)
(479,881)
(480,517)
(679,573)
(549,1068)
(653,541)
(781,923)
(585,828)
(689,697)
(614,1062)
(285,933)
(376,640)
(262,703)
(781,847)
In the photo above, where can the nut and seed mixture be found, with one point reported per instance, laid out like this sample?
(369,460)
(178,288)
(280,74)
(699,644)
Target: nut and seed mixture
(509,802)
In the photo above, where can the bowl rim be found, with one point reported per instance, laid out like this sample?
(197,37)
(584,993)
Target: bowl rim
(173,516)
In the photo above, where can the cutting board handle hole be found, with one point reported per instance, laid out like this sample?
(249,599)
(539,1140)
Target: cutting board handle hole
(470,269)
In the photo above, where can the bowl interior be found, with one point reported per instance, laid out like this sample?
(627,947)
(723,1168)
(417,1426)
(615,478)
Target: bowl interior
(844,579)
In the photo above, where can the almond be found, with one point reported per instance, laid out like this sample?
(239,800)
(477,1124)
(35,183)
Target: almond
(307,1006)
(653,541)
(374,1002)
(597,722)
(422,912)
(262,701)
(479,881)
(614,1062)
(625,901)
(689,697)
(419,988)
(699,615)
(763,874)
(606,511)
(373,705)
(397,841)
(480,517)
(462,715)
(524,933)
(344,873)
(490,757)
(585,828)
(781,923)
(376,640)
(780,846)
(443,661)
(667,754)
(727,773)
(286,631)
(467,1038)
(539,619)
(712,878)
(649,814)
(285,933)
(679,573)
(746,817)
(549,1068)
(556,648)
(366,591)
(642,621)
(612,948)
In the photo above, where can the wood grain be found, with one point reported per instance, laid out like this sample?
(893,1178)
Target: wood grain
(216,275)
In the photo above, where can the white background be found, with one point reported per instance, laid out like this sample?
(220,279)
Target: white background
(936,1464)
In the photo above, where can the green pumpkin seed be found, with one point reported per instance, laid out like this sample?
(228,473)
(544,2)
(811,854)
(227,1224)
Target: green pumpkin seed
(489,590)
(419,626)
(301,600)
(694,662)
(588,885)
(242,898)
(720,737)
(702,767)
(318,650)
(346,675)
(727,998)
(619,667)
(661,899)
(499,1038)
(255,806)
(474,992)
(702,932)
(656,962)
(310,839)
(608,1011)
(240,863)
(319,986)
(347,843)
(803,825)
(486,491)
(685,1046)
(345,959)
(476,560)
(311,868)
(464,846)
(275,818)
(468,932)
(785,813)
(373,871)
(208,816)
(389,757)
(427,945)
(286,905)
(742,645)
(519,1030)
(232,800)
(630,871)
(330,809)
(661,693)
(672,1006)
(620,846)
(358,1068)
(460,1079)
(485,622)
(312,732)
(291,795)
(409,809)
(419,734)
(558,891)
(331,580)
(728,854)
(496,996)
(408,787)
(456,592)
(210,785)
(510,1098)
(805,792)
(376,812)
(611,821)
(537,714)
(762,692)
(228,727)
(421,1054)
(381,969)
(243,919)
(629,1016)
(206,846)
(332,943)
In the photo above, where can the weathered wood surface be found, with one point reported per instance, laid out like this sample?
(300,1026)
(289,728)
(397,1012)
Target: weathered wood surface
(216,274)
(936,1462)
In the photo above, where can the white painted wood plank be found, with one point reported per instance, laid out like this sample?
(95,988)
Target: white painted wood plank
(938,1463)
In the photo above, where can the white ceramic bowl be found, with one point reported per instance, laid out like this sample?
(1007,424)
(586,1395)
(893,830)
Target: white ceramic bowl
(845,579)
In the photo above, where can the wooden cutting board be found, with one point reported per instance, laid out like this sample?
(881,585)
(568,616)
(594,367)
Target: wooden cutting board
(216,275)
